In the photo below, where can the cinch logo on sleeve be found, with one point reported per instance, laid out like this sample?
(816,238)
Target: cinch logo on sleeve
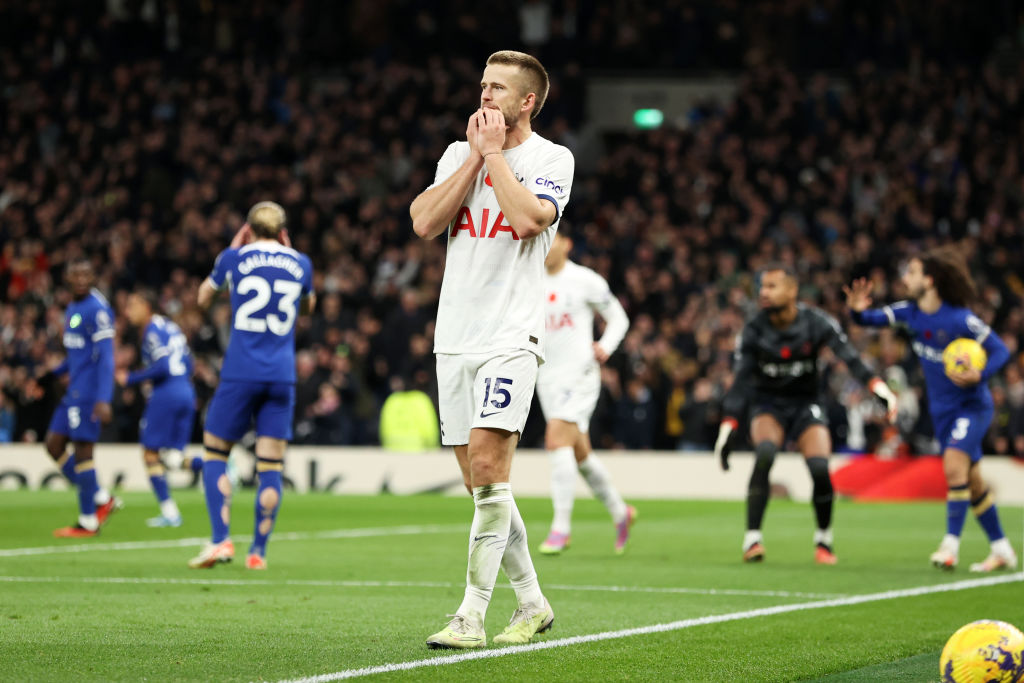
(464,221)
(549,184)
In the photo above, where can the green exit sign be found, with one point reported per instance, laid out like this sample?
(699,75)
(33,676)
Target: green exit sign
(647,119)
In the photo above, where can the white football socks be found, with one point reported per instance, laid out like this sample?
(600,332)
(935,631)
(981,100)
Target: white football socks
(90,522)
(823,536)
(487,539)
(101,497)
(1002,547)
(169,509)
(563,487)
(950,543)
(600,483)
(750,538)
(518,564)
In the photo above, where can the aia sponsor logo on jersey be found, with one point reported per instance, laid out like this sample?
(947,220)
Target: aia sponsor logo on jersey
(464,221)
(558,321)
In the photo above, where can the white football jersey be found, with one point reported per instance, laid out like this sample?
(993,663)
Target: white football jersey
(492,296)
(572,296)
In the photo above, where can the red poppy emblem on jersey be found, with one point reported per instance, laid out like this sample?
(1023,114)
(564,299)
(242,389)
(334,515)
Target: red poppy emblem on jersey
(927,334)
(785,352)
(487,180)
(552,296)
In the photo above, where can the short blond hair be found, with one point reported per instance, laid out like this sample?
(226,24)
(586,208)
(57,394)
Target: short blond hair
(537,81)
(266,219)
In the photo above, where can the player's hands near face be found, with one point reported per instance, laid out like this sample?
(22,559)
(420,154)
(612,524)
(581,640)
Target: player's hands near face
(242,237)
(858,294)
(283,237)
(965,378)
(473,132)
(490,131)
(102,412)
(121,377)
(600,354)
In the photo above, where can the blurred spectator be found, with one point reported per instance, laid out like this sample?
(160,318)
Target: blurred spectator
(330,423)
(700,416)
(635,417)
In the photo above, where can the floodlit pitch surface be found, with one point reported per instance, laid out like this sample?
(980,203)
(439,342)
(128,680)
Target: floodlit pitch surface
(355,585)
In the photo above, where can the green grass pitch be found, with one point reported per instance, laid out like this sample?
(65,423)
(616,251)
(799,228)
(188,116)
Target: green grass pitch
(344,591)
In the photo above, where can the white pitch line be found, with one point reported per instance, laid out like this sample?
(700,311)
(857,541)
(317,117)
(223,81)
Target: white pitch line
(187,542)
(325,583)
(660,628)
(692,591)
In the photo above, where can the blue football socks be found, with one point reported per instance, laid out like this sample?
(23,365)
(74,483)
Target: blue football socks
(984,507)
(268,502)
(218,500)
(958,499)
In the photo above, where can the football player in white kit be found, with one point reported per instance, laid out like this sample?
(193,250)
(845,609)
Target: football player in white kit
(568,386)
(498,196)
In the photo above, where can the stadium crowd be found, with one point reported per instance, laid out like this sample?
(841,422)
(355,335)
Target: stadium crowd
(136,141)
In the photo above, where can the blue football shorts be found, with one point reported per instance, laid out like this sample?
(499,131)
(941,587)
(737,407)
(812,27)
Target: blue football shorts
(964,430)
(237,406)
(167,422)
(74,420)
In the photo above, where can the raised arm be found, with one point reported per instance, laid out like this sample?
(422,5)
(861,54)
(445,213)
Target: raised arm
(218,277)
(207,293)
(858,300)
(528,214)
(435,208)
(840,344)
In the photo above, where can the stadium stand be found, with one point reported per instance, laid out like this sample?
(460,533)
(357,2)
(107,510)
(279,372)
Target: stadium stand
(137,142)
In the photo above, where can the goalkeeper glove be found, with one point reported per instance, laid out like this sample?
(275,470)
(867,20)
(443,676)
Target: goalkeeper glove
(723,445)
(884,394)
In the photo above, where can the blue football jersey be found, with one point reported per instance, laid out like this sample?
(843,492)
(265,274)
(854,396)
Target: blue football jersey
(930,334)
(166,357)
(267,281)
(89,342)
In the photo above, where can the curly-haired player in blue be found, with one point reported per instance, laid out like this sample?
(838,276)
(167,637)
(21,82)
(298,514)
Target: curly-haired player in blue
(941,289)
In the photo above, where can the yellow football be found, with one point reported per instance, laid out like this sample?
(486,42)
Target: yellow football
(983,652)
(962,354)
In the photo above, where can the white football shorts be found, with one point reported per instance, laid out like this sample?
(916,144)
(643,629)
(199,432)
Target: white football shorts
(570,397)
(484,390)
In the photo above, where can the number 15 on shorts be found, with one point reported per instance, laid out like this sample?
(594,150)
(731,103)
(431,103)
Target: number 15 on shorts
(501,398)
